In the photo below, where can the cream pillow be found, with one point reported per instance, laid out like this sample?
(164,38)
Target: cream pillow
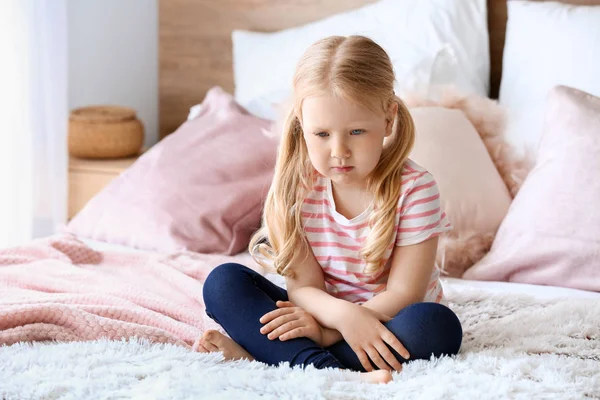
(447,146)
(473,193)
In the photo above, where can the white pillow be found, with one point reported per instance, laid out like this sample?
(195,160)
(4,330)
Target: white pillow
(417,34)
(547,44)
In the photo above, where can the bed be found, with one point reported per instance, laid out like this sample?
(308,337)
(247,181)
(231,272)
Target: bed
(512,347)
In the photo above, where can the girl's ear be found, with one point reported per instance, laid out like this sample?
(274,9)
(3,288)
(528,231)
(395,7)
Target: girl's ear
(390,118)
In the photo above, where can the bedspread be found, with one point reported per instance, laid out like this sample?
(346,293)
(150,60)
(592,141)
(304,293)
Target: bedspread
(58,288)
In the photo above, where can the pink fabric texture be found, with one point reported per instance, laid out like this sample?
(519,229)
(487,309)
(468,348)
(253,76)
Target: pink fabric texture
(551,235)
(59,289)
(200,189)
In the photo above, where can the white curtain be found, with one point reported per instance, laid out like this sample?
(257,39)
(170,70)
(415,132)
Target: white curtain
(33,119)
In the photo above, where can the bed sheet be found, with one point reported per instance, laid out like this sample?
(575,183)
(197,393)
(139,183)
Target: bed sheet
(538,291)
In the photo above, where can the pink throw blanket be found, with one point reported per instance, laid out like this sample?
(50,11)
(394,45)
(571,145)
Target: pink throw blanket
(60,289)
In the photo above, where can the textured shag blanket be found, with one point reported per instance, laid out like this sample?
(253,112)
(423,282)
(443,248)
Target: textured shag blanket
(515,347)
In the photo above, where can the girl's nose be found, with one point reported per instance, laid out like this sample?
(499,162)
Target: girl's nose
(340,150)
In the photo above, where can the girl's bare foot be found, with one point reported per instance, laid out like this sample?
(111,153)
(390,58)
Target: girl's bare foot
(379,376)
(214,341)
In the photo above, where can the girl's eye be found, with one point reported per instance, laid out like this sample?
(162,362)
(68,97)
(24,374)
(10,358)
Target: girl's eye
(356,131)
(322,134)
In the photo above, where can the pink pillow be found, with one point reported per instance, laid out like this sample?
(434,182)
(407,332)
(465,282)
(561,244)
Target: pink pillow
(200,189)
(472,192)
(551,235)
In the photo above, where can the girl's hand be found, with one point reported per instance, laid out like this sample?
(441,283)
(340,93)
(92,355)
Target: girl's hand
(367,336)
(289,322)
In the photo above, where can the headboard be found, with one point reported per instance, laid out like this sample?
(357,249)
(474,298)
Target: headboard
(195,42)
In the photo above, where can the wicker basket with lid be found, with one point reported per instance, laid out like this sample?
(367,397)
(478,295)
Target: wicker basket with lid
(105,132)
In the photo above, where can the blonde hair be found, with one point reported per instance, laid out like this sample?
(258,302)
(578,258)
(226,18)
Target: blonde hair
(358,69)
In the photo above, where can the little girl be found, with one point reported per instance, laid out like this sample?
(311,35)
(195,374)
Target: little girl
(351,223)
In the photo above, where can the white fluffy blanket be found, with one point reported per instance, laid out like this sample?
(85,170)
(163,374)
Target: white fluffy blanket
(514,347)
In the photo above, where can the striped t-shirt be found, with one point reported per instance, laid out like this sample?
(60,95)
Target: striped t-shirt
(336,241)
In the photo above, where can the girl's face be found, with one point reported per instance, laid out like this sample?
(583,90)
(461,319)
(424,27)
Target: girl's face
(344,139)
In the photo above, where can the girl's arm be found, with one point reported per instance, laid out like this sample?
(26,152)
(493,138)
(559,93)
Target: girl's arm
(307,290)
(358,325)
(330,337)
(409,277)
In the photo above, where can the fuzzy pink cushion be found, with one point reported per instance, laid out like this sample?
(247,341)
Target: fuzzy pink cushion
(200,189)
(551,235)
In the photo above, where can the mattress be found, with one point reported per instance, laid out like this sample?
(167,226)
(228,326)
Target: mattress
(538,291)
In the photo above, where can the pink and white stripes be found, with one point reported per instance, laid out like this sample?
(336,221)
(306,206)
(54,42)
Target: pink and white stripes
(336,241)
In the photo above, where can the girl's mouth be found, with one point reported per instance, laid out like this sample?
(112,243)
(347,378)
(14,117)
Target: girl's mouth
(343,169)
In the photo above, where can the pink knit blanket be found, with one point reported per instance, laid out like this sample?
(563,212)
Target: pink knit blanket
(60,289)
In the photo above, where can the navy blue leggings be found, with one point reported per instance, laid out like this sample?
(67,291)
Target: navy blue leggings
(236,297)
